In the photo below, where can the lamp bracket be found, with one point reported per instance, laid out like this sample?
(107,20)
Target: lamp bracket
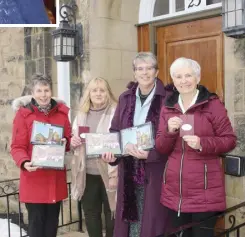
(68,12)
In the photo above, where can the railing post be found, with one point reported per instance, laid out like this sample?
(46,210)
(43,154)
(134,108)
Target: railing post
(79,209)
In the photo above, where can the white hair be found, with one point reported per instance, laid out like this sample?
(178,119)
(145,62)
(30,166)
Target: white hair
(186,62)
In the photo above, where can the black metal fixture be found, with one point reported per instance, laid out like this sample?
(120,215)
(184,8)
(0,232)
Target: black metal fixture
(234,18)
(67,38)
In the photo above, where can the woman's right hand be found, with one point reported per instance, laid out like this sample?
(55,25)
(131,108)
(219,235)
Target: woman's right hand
(108,157)
(28,166)
(174,124)
(76,141)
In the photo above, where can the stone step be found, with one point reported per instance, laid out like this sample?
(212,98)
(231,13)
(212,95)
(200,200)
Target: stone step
(74,234)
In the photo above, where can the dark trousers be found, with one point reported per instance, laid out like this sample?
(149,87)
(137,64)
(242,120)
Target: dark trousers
(204,230)
(94,198)
(43,219)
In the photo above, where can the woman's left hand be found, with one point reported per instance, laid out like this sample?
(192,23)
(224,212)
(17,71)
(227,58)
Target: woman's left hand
(193,141)
(63,141)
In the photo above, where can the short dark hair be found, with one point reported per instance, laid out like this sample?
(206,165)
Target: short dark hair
(39,78)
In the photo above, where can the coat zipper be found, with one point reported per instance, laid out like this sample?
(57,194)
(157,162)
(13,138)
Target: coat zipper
(180,174)
(164,173)
(205,176)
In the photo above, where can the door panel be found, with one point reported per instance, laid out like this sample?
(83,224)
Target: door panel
(201,40)
(143,38)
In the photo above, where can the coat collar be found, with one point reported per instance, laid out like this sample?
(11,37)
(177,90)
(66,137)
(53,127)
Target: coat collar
(160,90)
(204,95)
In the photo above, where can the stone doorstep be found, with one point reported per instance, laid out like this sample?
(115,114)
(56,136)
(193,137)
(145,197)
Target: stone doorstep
(74,234)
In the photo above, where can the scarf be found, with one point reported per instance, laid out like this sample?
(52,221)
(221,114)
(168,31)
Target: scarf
(134,169)
(45,109)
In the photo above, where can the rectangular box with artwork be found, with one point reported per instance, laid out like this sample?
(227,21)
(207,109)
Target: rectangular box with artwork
(48,156)
(98,143)
(46,134)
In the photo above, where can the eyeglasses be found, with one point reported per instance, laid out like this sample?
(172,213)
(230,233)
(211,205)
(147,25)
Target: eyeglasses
(142,69)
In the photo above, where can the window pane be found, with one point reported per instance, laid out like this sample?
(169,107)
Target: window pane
(161,7)
(209,2)
(180,5)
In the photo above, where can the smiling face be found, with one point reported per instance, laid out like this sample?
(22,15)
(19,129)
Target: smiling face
(184,80)
(42,94)
(98,94)
(145,73)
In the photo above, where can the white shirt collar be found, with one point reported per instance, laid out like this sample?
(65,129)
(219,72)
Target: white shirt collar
(192,102)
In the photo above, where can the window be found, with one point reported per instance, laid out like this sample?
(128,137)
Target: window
(210,2)
(180,5)
(161,8)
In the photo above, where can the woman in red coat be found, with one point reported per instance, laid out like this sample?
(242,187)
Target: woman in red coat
(42,190)
(194,131)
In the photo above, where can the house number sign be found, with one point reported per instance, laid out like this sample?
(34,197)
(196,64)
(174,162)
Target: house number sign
(194,4)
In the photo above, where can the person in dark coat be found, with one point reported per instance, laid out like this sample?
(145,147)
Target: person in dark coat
(194,131)
(42,190)
(23,12)
(139,212)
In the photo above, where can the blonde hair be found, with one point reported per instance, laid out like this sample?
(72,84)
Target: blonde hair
(85,103)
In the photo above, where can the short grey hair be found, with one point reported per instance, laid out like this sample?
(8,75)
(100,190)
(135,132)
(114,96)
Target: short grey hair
(145,57)
(39,78)
(186,62)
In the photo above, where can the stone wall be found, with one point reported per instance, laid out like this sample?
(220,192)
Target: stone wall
(234,56)
(12,77)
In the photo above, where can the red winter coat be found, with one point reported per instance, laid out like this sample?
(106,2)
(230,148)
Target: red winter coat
(193,181)
(43,185)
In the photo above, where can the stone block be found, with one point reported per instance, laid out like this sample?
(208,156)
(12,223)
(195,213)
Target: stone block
(127,68)
(113,34)
(106,63)
(118,86)
(130,11)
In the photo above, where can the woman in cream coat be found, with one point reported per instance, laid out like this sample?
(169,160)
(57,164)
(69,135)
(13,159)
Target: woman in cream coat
(94,181)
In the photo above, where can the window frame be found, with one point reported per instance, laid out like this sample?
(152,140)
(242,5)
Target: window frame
(146,11)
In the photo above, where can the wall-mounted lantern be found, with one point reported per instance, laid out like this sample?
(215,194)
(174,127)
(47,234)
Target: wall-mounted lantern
(234,18)
(67,38)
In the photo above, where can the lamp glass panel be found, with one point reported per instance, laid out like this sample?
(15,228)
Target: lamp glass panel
(58,49)
(231,5)
(58,40)
(64,41)
(231,19)
(72,42)
(64,46)
(238,4)
(69,52)
(239,17)
(69,41)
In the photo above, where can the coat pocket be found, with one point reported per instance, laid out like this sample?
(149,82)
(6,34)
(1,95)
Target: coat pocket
(205,176)
(164,173)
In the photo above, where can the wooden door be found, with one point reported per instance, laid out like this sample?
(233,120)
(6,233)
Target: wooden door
(201,40)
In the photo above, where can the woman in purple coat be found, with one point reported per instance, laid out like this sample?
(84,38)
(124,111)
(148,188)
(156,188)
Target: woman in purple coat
(139,212)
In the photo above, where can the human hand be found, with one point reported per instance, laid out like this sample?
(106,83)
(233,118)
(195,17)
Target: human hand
(76,141)
(63,141)
(193,141)
(108,157)
(28,166)
(174,124)
(133,150)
